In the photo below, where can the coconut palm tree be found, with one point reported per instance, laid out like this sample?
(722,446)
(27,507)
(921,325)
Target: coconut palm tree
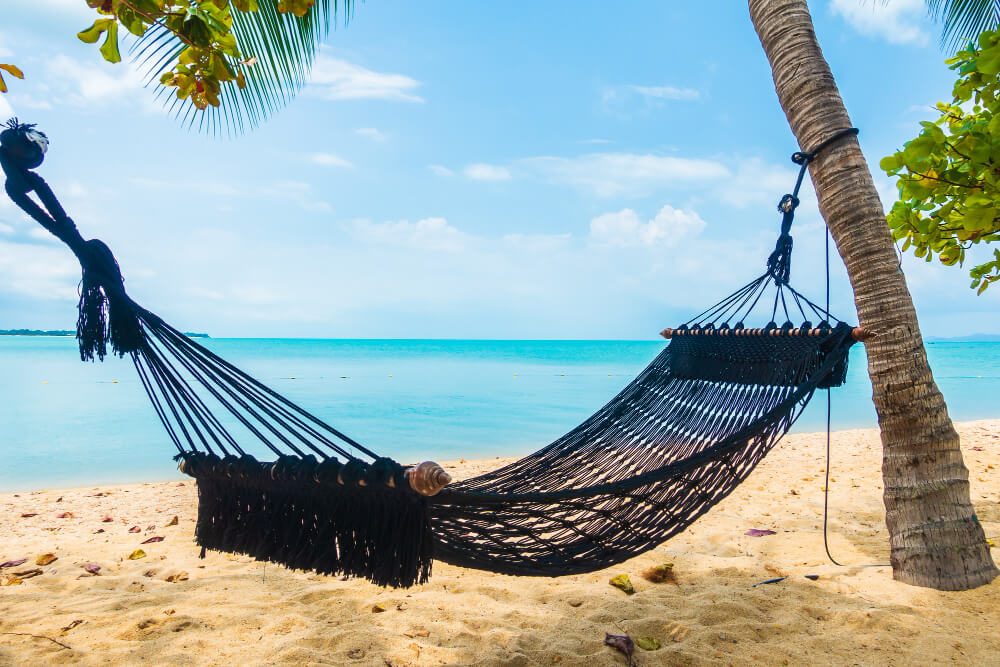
(962,20)
(935,537)
(279,43)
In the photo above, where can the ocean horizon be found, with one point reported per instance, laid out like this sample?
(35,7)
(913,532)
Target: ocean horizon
(70,424)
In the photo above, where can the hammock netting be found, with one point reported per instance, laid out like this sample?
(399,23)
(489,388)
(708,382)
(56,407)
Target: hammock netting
(674,442)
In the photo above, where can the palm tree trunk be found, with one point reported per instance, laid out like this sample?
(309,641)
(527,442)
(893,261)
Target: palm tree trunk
(935,538)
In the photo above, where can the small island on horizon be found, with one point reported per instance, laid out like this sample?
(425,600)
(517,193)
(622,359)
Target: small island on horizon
(66,332)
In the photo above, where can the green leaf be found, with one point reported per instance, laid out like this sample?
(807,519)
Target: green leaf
(988,63)
(918,149)
(110,47)
(148,7)
(196,29)
(93,33)
(132,21)
(889,163)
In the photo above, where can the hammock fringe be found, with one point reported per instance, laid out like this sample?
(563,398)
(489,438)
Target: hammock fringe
(106,314)
(283,513)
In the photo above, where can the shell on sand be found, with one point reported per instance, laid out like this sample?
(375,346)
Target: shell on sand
(428,478)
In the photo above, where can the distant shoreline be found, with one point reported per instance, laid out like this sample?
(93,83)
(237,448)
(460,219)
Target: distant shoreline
(62,333)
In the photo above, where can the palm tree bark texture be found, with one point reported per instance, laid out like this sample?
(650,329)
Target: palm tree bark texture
(935,537)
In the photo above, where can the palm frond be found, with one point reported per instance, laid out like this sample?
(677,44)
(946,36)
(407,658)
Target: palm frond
(285,47)
(963,20)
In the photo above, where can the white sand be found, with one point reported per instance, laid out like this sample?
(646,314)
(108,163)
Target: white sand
(230,610)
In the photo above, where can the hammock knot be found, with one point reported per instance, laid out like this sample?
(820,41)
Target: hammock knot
(803,157)
(304,471)
(352,472)
(779,264)
(788,203)
(106,313)
(247,468)
(327,471)
(382,471)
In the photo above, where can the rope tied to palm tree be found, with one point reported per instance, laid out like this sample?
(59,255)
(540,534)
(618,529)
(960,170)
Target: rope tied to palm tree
(780,261)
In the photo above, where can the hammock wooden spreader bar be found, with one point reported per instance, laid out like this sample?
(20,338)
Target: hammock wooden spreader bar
(282,485)
(859,334)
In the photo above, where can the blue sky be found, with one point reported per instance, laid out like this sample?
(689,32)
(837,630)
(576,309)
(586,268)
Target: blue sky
(465,170)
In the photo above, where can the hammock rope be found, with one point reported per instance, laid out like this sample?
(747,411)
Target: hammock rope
(674,442)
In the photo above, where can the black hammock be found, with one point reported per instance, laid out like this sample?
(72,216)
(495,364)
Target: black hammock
(670,445)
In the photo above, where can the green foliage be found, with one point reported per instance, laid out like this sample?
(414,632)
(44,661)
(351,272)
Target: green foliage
(949,175)
(225,63)
(963,19)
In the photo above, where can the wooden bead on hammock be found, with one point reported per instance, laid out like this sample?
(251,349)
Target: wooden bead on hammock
(428,478)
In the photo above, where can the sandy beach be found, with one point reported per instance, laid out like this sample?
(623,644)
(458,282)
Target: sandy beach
(170,607)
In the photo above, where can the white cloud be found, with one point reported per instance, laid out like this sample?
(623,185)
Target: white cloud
(38,271)
(65,8)
(6,110)
(625,229)
(666,92)
(440,170)
(623,100)
(370,132)
(43,235)
(6,229)
(76,189)
(203,293)
(29,102)
(201,186)
(297,192)
(427,234)
(612,174)
(536,242)
(329,160)
(756,183)
(300,194)
(336,79)
(94,83)
(898,21)
(486,172)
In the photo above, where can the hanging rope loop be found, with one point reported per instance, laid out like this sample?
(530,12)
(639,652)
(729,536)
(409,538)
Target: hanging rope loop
(779,264)
(802,157)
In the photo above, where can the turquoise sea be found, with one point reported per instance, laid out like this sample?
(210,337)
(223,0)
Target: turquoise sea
(67,423)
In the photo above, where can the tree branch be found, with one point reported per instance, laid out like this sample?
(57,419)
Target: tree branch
(28,634)
(945,180)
